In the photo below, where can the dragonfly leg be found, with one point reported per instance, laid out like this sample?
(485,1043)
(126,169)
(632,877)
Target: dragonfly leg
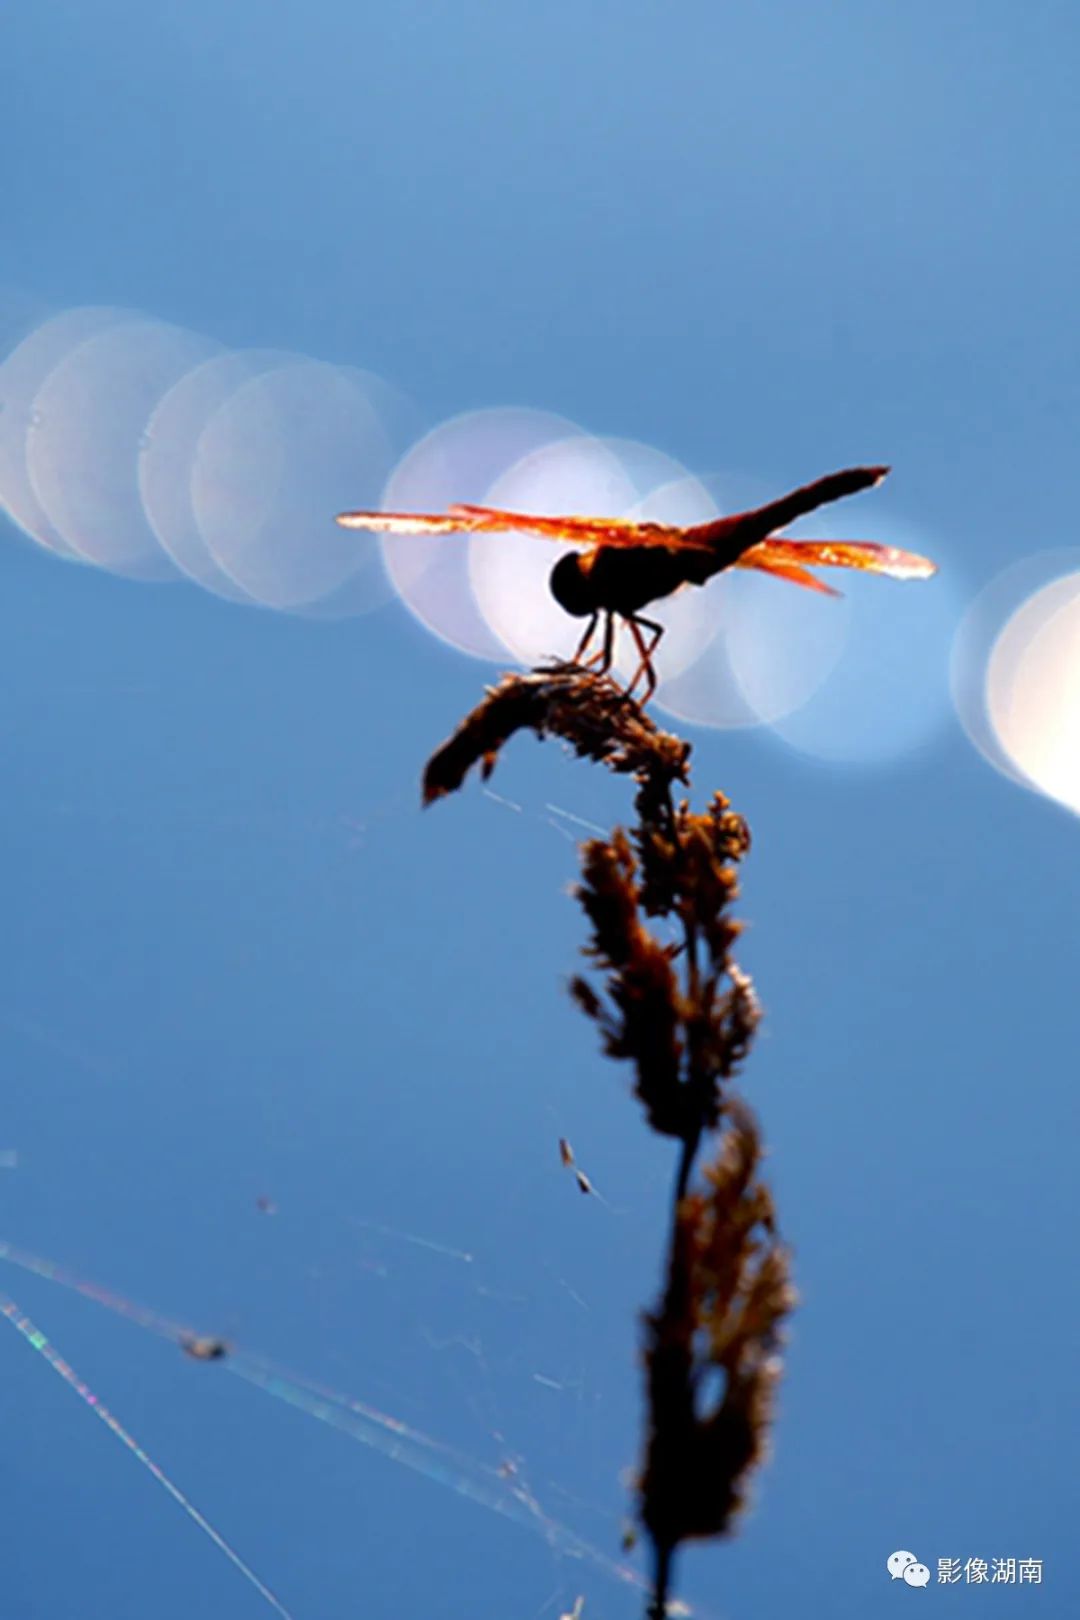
(602,659)
(586,638)
(645,667)
(609,645)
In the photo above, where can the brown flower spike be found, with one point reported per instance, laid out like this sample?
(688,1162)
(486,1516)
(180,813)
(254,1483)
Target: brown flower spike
(673,1004)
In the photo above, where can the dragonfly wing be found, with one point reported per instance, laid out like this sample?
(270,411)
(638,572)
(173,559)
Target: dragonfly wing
(785,570)
(462,519)
(578,531)
(410,522)
(866,555)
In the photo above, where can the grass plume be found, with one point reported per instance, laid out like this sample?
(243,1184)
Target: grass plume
(673,1003)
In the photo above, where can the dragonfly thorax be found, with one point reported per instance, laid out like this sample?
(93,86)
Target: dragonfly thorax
(625,579)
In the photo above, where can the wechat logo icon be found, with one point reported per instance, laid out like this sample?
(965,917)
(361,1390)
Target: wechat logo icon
(904,1566)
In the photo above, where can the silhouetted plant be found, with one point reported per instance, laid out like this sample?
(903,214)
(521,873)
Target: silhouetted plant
(683,1014)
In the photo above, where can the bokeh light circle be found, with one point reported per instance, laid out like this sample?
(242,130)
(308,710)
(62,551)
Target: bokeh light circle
(21,376)
(976,642)
(461,460)
(1033,689)
(774,647)
(282,454)
(167,456)
(87,422)
(887,696)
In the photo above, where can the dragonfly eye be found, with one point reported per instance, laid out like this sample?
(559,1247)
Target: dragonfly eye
(571,586)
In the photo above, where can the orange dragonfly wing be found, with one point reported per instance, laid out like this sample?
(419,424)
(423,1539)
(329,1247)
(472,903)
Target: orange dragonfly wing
(411,522)
(794,572)
(787,559)
(580,531)
(462,519)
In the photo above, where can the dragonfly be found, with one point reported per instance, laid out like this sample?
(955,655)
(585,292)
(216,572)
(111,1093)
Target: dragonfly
(622,566)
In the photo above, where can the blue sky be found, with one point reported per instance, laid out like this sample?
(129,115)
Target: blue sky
(769,240)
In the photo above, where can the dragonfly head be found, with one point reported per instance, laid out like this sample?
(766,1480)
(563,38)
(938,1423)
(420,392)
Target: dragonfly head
(572,586)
